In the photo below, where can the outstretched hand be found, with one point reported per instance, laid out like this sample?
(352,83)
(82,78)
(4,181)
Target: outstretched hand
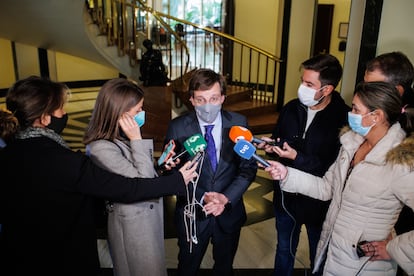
(277,170)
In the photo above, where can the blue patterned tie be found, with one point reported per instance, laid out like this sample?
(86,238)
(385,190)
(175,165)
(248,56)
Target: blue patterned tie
(211,146)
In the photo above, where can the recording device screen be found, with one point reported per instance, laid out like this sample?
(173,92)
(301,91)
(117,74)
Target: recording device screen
(278,143)
(196,158)
(167,152)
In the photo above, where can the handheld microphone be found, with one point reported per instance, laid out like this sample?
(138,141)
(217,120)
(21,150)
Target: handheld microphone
(238,132)
(246,150)
(192,145)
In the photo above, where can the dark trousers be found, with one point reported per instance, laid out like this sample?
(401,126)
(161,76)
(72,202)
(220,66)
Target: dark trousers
(224,250)
(288,233)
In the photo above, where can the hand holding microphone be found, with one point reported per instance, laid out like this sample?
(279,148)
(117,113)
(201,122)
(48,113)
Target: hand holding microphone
(188,171)
(192,145)
(277,170)
(247,151)
(238,132)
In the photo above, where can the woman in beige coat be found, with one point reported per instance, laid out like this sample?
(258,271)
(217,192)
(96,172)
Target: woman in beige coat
(369,183)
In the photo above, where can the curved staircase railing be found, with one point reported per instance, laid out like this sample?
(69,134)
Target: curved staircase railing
(186,46)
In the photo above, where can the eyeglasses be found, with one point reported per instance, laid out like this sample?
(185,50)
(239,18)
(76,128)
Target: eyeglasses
(212,100)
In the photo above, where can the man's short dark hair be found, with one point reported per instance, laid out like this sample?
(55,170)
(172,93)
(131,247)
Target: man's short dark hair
(328,67)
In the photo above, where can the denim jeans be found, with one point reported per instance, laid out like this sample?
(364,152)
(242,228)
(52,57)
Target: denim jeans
(288,232)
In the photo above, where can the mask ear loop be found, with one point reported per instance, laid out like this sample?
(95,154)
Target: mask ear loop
(323,96)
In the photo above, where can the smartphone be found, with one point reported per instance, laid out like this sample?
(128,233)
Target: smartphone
(278,142)
(196,158)
(361,252)
(167,153)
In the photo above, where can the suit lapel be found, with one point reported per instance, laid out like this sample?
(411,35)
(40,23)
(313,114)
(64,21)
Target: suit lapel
(191,125)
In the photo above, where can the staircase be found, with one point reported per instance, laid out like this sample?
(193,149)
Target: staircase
(251,72)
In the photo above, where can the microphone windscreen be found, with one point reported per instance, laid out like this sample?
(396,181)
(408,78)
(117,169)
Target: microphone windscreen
(195,144)
(239,133)
(244,149)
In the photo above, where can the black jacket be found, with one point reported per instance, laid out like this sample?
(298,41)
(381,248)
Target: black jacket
(47,196)
(316,152)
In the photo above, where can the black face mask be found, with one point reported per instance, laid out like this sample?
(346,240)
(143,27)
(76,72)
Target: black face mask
(58,124)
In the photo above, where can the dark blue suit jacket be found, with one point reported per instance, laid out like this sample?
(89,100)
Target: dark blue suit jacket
(232,177)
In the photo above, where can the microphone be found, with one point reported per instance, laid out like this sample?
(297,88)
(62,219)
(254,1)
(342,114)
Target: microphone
(246,150)
(192,145)
(238,132)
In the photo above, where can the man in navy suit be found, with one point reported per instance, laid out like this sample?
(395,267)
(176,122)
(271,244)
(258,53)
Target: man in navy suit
(224,177)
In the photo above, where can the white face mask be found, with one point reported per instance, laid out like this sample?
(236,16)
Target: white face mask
(306,95)
(208,112)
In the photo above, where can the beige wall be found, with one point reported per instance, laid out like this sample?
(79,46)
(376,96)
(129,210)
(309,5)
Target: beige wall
(341,14)
(6,64)
(62,67)
(394,35)
(265,33)
(257,23)
(396,32)
(260,33)
(27,61)
(70,68)
(300,37)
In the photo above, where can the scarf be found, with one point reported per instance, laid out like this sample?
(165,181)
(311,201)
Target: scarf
(34,132)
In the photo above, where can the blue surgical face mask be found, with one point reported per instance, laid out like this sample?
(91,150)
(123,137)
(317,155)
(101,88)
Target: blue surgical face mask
(355,122)
(140,118)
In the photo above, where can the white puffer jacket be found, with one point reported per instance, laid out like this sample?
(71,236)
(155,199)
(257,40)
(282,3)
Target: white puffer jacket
(366,207)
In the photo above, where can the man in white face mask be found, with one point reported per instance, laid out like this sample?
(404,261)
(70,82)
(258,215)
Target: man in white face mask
(309,130)
(224,177)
